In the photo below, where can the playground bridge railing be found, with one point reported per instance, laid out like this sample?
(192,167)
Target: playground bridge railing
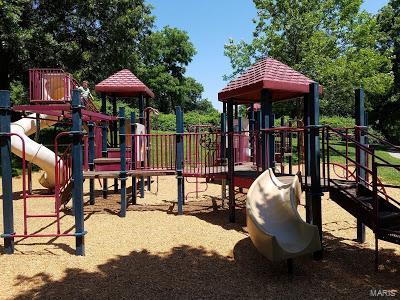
(202,152)
(361,169)
(50,85)
(288,148)
(63,168)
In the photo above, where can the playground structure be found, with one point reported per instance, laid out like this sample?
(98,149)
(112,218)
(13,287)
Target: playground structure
(235,154)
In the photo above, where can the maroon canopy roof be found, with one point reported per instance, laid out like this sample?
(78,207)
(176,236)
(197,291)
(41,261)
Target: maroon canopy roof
(267,73)
(123,84)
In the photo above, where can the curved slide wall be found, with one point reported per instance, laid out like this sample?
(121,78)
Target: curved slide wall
(34,152)
(274,224)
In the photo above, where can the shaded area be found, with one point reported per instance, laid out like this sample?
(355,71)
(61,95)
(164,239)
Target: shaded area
(194,272)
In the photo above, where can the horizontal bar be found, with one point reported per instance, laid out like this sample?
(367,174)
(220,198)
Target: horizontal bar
(43,235)
(350,159)
(39,196)
(42,108)
(42,216)
(362,147)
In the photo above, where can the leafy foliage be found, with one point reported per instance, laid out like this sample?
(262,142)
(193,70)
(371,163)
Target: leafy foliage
(93,39)
(387,115)
(166,122)
(332,42)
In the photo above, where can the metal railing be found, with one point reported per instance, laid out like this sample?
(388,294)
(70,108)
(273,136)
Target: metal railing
(361,169)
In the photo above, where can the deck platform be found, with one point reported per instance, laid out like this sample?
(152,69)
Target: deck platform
(130,173)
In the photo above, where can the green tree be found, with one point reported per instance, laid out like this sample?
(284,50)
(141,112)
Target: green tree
(332,42)
(15,32)
(387,115)
(167,53)
(92,39)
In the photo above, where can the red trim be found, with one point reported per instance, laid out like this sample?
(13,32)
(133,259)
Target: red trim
(284,83)
(123,84)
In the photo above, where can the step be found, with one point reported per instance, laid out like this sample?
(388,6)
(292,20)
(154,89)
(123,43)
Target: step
(111,149)
(391,235)
(389,219)
(366,201)
(109,160)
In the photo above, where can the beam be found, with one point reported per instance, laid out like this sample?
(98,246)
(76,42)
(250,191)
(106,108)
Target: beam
(115,135)
(307,157)
(316,192)
(133,156)
(141,121)
(122,143)
(104,140)
(231,163)
(91,161)
(6,172)
(77,172)
(361,175)
(266,120)
(179,157)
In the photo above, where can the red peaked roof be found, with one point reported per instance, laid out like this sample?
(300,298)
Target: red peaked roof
(267,73)
(123,84)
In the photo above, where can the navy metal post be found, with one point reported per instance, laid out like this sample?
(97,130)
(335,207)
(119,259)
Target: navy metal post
(231,163)
(133,157)
(290,148)
(148,141)
(223,153)
(122,175)
(77,172)
(306,121)
(271,141)
(141,121)
(104,140)
(236,111)
(115,136)
(179,157)
(282,137)
(223,139)
(259,139)
(307,157)
(239,118)
(316,192)
(6,172)
(183,157)
(91,162)
(361,174)
(266,119)
(251,128)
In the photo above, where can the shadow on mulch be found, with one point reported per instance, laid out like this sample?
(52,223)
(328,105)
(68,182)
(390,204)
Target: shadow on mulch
(194,272)
(51,241)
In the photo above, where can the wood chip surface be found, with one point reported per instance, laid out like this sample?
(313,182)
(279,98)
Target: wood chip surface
(154,253)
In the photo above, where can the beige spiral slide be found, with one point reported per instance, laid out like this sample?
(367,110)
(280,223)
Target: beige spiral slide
(34,152)
(273,222)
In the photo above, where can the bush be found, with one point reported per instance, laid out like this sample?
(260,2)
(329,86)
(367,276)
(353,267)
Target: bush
(167,122)
(337,122)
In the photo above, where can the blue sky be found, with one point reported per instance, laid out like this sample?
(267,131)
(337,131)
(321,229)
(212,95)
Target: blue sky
(210,23)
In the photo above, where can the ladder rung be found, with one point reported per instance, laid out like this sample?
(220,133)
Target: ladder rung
(39,196)
(42,216)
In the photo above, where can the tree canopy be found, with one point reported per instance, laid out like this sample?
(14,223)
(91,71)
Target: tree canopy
(331,41)
(92,39)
